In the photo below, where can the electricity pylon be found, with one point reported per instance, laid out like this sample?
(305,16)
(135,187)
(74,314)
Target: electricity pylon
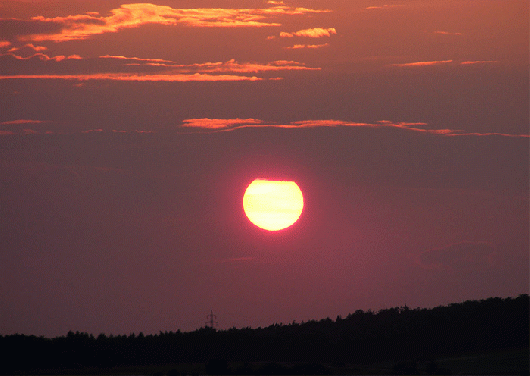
(211,321)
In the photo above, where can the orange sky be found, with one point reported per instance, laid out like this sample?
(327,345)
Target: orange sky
(129,131)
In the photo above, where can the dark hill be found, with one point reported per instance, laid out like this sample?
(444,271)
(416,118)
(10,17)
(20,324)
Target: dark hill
(399,336)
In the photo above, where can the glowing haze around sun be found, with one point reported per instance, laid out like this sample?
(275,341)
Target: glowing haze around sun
(273,205)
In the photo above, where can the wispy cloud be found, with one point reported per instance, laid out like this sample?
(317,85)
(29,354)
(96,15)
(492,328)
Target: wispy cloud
(444,62)
(479,62)
(43,57)
(135,59)
(83,26)
(4,43)
(232,124)
(28,46)
(386,6)
(206,123)
(136,77)
(423,63)
(310,46)
(446,32)
(22,121)
(154,69)
(316,32)
(246,67)
(223,125)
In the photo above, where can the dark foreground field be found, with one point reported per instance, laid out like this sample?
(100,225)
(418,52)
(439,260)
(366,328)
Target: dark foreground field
(474,337)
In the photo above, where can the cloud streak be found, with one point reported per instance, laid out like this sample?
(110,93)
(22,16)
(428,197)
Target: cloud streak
(136,77)
(478,62)
(444,62)
(43,57)
(166,70)
(22,121)
(423,63)
(309,46)
(232,124)
(223,125)
(83,26)
(206,123)
(446,32)
(311,33)
(248,67)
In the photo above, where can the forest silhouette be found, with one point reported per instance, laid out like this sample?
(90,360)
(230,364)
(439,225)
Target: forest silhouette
(400,336)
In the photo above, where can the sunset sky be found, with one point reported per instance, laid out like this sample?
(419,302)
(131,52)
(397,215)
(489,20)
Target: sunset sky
(130,131)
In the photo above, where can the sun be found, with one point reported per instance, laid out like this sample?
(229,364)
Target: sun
(273,205)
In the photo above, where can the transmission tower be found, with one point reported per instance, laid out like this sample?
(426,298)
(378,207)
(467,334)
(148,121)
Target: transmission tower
(211,320)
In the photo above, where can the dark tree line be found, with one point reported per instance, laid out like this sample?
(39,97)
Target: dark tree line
(362,337)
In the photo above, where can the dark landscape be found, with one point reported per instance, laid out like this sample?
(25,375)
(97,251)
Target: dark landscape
(474,337)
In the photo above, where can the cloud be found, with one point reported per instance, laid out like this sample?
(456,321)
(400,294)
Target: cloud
(41,56)
(30,46)
(479,62)
(248,67)
(215,125)
(232,124)
(459,256)
(135,59)
(446,33)
(423,63)
(386,6)
(310,46)
(147,69)
(379,124)
(14,29)
(206,123)
(77,27)
(4,43)
(311,33)
(444,62)
(135,77)
(21,121)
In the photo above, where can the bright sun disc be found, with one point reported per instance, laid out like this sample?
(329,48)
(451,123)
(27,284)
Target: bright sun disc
(273,205)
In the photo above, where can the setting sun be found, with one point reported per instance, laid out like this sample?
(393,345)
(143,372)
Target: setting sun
(273,205)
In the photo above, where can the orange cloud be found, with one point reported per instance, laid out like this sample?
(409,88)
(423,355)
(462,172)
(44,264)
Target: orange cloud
(168,70)
(249,67)
(478,62)
(28,45)
(423,63)
(35,48)
(218,123)
(232,124)
(442,62)
(135,77)
(4,43)
(22,121)
(446,32)
(322,123)
(311,33)
(384,6)
(299,46)
(41,56)
(76,27)
(135,58)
